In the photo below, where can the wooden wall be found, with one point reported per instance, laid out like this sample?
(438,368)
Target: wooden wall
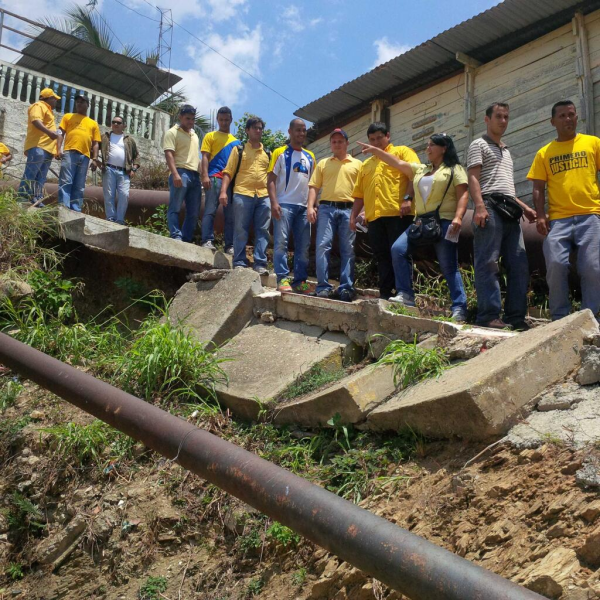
(531,79)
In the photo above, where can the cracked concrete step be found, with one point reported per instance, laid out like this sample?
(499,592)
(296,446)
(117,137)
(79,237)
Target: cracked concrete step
(266,359)
(136,243)
(215,310)
(485,396)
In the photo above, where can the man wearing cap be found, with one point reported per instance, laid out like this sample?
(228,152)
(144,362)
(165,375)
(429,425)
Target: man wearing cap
(182,153)
(335,177)
(40,146)
(81,137)
(119,161)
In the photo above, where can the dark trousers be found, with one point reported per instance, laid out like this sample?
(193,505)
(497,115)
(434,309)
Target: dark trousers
(383,232)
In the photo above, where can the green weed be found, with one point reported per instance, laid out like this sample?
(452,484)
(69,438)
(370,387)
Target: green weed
(315,378)
(152,588)
(15,571)
(435,286)
(9,392)
(156,222)
(412,364)
(250,540)
(299,577)
(23,515)
(164,360)
(399,309)
(282,535)
(52,294)
(97,442)
(255,587)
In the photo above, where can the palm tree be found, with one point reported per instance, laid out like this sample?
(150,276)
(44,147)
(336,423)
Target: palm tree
(171,102)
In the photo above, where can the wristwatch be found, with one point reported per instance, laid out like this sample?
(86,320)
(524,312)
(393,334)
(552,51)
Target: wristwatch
(408,198)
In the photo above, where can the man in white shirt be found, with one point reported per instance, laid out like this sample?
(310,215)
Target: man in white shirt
(119,161)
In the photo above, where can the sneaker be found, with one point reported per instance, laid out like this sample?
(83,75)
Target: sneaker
(285,285)
(208,245)
(261,270)
(239,267)
(229,250)
(458,316)
(347,295)
(302,288)
(328,293)
(402,299)
(497,324)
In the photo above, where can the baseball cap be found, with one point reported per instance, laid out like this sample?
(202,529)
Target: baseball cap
(340,131)
(82,97)
(187,109)
(48,93)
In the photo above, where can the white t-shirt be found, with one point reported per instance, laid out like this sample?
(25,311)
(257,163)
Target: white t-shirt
(293,169)
(425,184)
(116,152)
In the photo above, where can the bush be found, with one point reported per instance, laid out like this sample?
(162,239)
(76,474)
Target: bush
(152,175)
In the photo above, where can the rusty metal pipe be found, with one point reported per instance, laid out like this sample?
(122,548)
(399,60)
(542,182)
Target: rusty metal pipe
(398,558)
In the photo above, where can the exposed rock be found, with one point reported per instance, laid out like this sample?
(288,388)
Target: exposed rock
(14,289)
(590,551)
(589,475)
(551,575)
(55,549)
(210,275)
(589,372)
(590,511)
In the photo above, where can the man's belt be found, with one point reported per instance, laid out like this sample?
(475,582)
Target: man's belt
(115,167)
(337,204)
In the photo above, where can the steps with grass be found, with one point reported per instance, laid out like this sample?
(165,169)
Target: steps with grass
(132,242)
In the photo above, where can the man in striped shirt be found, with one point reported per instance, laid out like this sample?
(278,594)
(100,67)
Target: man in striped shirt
(491,183)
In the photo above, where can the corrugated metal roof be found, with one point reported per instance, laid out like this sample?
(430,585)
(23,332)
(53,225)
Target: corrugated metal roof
(484,37)
(63,56)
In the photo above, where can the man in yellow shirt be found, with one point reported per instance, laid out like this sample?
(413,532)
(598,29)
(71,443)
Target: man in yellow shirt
(5,154)
(569,166)
(182,153)
(247,168)
(40,146)
(216,148)
(386,195)
(335,177)
(81,136)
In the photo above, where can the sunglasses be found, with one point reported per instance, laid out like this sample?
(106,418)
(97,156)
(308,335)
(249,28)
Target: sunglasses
(118,123)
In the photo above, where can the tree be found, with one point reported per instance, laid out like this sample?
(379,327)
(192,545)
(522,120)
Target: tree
(270,139)
(171,102)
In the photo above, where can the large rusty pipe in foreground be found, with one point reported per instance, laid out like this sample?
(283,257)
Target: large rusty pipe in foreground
(398,558)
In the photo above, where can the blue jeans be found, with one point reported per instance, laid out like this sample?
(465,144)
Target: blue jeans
(115,184)
(332,220)
(293,219)
(71,181)
(189,193)
(581,232)
(500,238)
(248,210)
(36,170)
(211,204)
(447,255)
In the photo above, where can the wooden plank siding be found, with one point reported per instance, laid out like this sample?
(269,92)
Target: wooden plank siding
(531,79)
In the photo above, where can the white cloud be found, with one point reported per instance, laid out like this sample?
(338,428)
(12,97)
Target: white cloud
(210,10)
(293,20)
(387,50)
(211,80)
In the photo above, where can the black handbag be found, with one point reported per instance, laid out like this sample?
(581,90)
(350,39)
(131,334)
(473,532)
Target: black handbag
(427,228)
(505,206)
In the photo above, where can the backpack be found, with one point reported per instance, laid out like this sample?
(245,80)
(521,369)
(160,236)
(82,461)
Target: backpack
(240,150)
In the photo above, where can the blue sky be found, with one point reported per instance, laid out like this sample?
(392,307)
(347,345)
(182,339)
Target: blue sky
(301,49)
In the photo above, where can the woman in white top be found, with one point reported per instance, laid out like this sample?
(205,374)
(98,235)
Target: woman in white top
(442,183)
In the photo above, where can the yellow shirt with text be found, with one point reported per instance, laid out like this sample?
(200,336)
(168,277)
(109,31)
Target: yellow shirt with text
(382,187)
(336,178)
(80,133)
(40,111)
(251,179)
(570,170)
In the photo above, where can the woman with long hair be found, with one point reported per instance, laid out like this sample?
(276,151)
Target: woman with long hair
(440,184)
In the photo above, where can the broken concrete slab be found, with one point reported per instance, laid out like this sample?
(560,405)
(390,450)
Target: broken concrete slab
(55,549)
(218,309)
(132,242)
(589,372)
(484,397)
(352,397)
(267,359)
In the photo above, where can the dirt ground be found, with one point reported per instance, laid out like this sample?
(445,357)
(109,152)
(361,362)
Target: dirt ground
(519,513)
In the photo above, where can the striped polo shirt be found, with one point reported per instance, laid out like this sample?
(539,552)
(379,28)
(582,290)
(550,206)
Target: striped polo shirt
(496,166)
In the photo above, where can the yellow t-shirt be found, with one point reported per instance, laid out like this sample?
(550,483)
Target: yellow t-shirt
(80,132)
(40,111)
(336,178)
(251,179)
(382,187)
(185,146)
(571,172)
(4,149)
(436,195)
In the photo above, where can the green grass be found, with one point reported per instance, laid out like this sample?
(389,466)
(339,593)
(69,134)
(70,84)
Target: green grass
(400,309)
(299,577)
(255,587)
(152,588)
(435,286)
(10,388)
(23,515)
(412,364)
(312,380)
(282,535)
(14,571)
(156,222)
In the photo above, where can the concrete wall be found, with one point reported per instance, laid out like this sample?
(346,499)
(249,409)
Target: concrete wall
(531,79)
(13,130)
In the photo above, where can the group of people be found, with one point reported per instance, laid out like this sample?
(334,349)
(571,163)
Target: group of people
(78,144)
(403,203)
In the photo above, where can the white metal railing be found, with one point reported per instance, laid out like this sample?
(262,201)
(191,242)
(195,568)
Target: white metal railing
(25,85)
